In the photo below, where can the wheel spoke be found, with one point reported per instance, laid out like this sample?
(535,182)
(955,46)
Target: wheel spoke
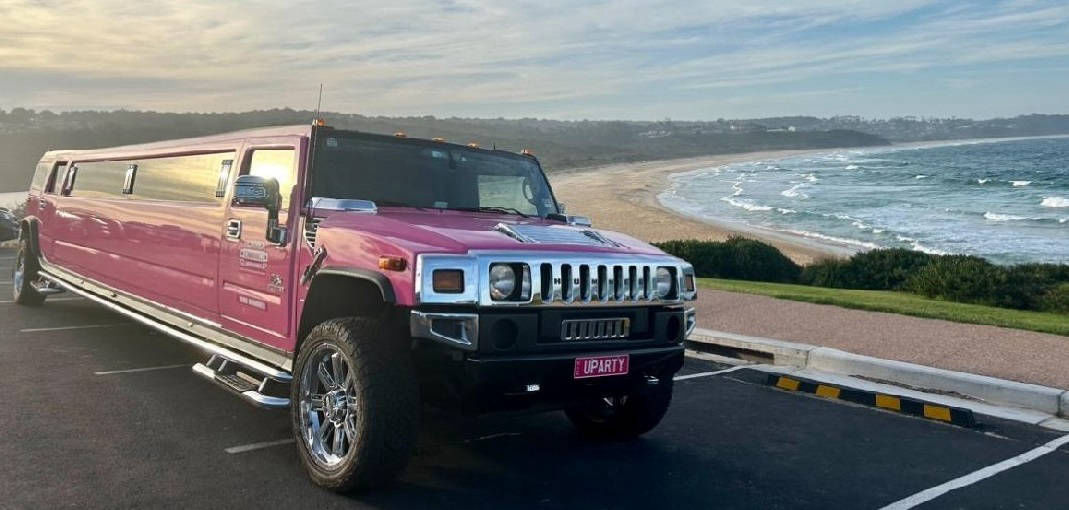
(315,403)
(337,363)
(324,376)
(350,428)
(324,428)
(339,442)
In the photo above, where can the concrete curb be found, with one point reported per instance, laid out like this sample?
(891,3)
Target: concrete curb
(1049,400)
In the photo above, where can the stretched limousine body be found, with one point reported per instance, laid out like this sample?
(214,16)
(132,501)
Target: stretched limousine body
(350,277)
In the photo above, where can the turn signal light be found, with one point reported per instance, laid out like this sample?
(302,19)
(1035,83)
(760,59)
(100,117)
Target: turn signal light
(688,282)
(321,122)
(393,263)
(448,281)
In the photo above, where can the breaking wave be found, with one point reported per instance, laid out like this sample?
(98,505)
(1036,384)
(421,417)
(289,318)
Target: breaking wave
(1055,202)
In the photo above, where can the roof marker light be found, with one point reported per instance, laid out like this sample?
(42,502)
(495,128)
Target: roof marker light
(473,145)
(527,152)
(400,134)
(438,139)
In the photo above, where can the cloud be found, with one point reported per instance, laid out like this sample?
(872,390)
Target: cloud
(477,57)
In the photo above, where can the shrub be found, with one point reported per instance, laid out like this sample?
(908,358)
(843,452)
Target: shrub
(737,258)
(884,269)
(1056,299)
(975,280)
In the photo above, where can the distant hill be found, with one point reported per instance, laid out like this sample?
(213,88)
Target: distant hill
(25,135)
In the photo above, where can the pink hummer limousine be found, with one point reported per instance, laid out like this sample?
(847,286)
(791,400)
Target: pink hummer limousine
(351,277)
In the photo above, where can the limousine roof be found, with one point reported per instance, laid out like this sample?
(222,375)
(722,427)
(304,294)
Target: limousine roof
(179,145)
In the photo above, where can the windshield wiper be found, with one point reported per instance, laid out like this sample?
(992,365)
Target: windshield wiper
(506,210)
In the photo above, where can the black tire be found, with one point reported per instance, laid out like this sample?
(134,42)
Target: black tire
(23,292)
(622,417)
(386,420)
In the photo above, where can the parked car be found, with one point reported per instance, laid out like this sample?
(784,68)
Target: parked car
(9,225)
(351,277)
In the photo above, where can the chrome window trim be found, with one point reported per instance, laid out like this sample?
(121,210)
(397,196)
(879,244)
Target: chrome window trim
(476,267)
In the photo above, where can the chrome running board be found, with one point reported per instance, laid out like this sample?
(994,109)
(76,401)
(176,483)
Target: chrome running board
(229,376)
(214,349)
(47,289)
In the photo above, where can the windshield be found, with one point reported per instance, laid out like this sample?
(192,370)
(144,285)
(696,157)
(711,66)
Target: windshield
(417,173)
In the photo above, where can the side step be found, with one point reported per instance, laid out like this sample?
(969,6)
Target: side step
(47,288)
(253,388)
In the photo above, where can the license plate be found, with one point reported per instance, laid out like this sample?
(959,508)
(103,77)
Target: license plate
(601,366)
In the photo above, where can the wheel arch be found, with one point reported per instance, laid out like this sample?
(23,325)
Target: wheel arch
(28,230)
(344,292)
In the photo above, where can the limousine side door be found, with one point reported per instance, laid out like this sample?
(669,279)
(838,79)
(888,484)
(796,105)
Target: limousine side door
(255,274)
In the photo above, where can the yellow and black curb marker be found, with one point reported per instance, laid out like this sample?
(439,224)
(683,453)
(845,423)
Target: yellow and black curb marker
(953,415)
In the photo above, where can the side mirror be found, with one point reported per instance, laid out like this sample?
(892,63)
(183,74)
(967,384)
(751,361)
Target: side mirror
(562,207)
(258,191)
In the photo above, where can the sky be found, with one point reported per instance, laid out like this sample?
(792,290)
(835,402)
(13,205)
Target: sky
(561,59)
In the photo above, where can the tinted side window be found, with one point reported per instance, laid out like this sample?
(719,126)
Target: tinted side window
(99,179)
(277,163)
(179,178)
(40,176)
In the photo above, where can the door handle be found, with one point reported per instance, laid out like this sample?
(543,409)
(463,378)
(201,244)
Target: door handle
(42,203)
(233,229)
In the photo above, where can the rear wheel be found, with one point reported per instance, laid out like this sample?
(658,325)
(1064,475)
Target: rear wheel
(23,275)
(355,408)
(623,416)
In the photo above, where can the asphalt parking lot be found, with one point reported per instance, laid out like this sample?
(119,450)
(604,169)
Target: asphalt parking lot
(101,413)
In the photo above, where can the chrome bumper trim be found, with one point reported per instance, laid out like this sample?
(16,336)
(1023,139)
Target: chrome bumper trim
(423,326)
(690,320)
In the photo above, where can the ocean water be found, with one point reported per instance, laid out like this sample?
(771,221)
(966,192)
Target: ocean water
(1004,200)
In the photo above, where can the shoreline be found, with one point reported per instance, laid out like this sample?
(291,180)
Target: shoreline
(627,199)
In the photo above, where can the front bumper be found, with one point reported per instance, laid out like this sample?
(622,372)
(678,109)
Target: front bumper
(491,360)
(544,381)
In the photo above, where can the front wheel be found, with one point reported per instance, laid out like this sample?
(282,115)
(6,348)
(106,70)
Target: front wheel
(23,275)
(623,416)
(355,404)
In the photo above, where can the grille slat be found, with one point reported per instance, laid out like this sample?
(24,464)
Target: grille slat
(579,283)
(595,329)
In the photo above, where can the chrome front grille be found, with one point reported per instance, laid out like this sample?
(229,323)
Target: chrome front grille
(557,279)
(595,329)
(596,283)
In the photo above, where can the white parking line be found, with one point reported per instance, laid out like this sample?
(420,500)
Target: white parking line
(146,369)
(257,446)
(707,374)
(66,328)
(971,478)
(50,300)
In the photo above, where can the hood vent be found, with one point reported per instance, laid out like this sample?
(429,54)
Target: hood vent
(539,234)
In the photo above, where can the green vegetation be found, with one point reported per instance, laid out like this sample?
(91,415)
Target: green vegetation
(901,303)
(953,287)
(26,134)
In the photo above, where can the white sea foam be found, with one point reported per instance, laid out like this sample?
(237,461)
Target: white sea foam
(1003,217)
(840,240)
(922,176)
(1055,202)
(931,251)
(852,167)
(810,177)
(749,205)
(793,192)
(1063,220)
(1020,183)
(786,211)
(983,181)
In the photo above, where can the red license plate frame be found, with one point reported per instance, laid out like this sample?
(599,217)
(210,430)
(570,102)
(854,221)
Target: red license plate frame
(602,366)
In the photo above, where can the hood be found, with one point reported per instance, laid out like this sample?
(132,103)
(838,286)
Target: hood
(429,230)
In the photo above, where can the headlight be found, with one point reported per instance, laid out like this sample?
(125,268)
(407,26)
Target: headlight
(502,282)
(662,282)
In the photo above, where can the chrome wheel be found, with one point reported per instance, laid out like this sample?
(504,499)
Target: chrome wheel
(328,406)
(19,273)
